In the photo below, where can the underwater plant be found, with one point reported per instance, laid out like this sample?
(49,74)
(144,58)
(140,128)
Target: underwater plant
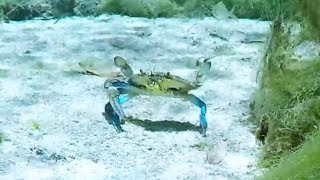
(35,126)
(1,137)
(253,9)
(302,164)
(140,8)
(8,7)
(201,146)
(286,104)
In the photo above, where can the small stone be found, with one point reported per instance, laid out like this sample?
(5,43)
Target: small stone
(27,52)
(213,157)
(307,50)
(216,154)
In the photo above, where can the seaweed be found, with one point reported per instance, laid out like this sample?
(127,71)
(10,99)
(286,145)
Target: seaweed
(302,164)
(255,9)
(35,126)
(140,8)
(286,106)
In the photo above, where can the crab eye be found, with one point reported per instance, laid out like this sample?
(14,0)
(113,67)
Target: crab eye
(152,83)
(167,75)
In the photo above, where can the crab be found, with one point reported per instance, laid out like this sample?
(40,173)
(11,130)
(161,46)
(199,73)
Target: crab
(121,88)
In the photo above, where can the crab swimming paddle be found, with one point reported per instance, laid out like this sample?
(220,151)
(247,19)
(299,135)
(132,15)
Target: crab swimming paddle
(123,65)
(203,69)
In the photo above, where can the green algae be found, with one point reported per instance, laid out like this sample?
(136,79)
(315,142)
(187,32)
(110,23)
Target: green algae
(286,106)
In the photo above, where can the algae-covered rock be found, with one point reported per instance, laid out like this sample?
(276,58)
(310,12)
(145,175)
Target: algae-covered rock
(307,51)
(43,9)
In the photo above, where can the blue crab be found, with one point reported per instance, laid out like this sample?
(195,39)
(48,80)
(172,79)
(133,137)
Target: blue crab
(122,88)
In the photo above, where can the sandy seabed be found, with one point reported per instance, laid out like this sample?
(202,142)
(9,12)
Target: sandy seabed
(76,142)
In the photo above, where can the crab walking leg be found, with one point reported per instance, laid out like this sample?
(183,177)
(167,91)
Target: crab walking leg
(203,110)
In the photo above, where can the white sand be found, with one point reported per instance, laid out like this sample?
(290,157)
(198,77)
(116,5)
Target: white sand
(75,141)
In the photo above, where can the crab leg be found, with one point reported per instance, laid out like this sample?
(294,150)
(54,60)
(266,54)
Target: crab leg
(124,98)
(203,110)
(113,109)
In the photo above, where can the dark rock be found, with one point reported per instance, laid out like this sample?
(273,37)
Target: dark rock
(46,155)
(85,7)
(47,9)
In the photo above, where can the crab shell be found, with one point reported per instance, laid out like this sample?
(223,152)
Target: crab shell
(153,83)
(161,82)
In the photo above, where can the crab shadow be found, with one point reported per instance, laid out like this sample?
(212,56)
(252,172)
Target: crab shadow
(165,125)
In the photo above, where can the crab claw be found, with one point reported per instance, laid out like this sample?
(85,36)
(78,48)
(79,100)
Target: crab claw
(112,117)
(114,113)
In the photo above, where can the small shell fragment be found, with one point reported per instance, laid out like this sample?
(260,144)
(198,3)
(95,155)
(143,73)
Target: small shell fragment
(217,153)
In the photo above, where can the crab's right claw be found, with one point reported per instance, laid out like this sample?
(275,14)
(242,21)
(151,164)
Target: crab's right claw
(112,117)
